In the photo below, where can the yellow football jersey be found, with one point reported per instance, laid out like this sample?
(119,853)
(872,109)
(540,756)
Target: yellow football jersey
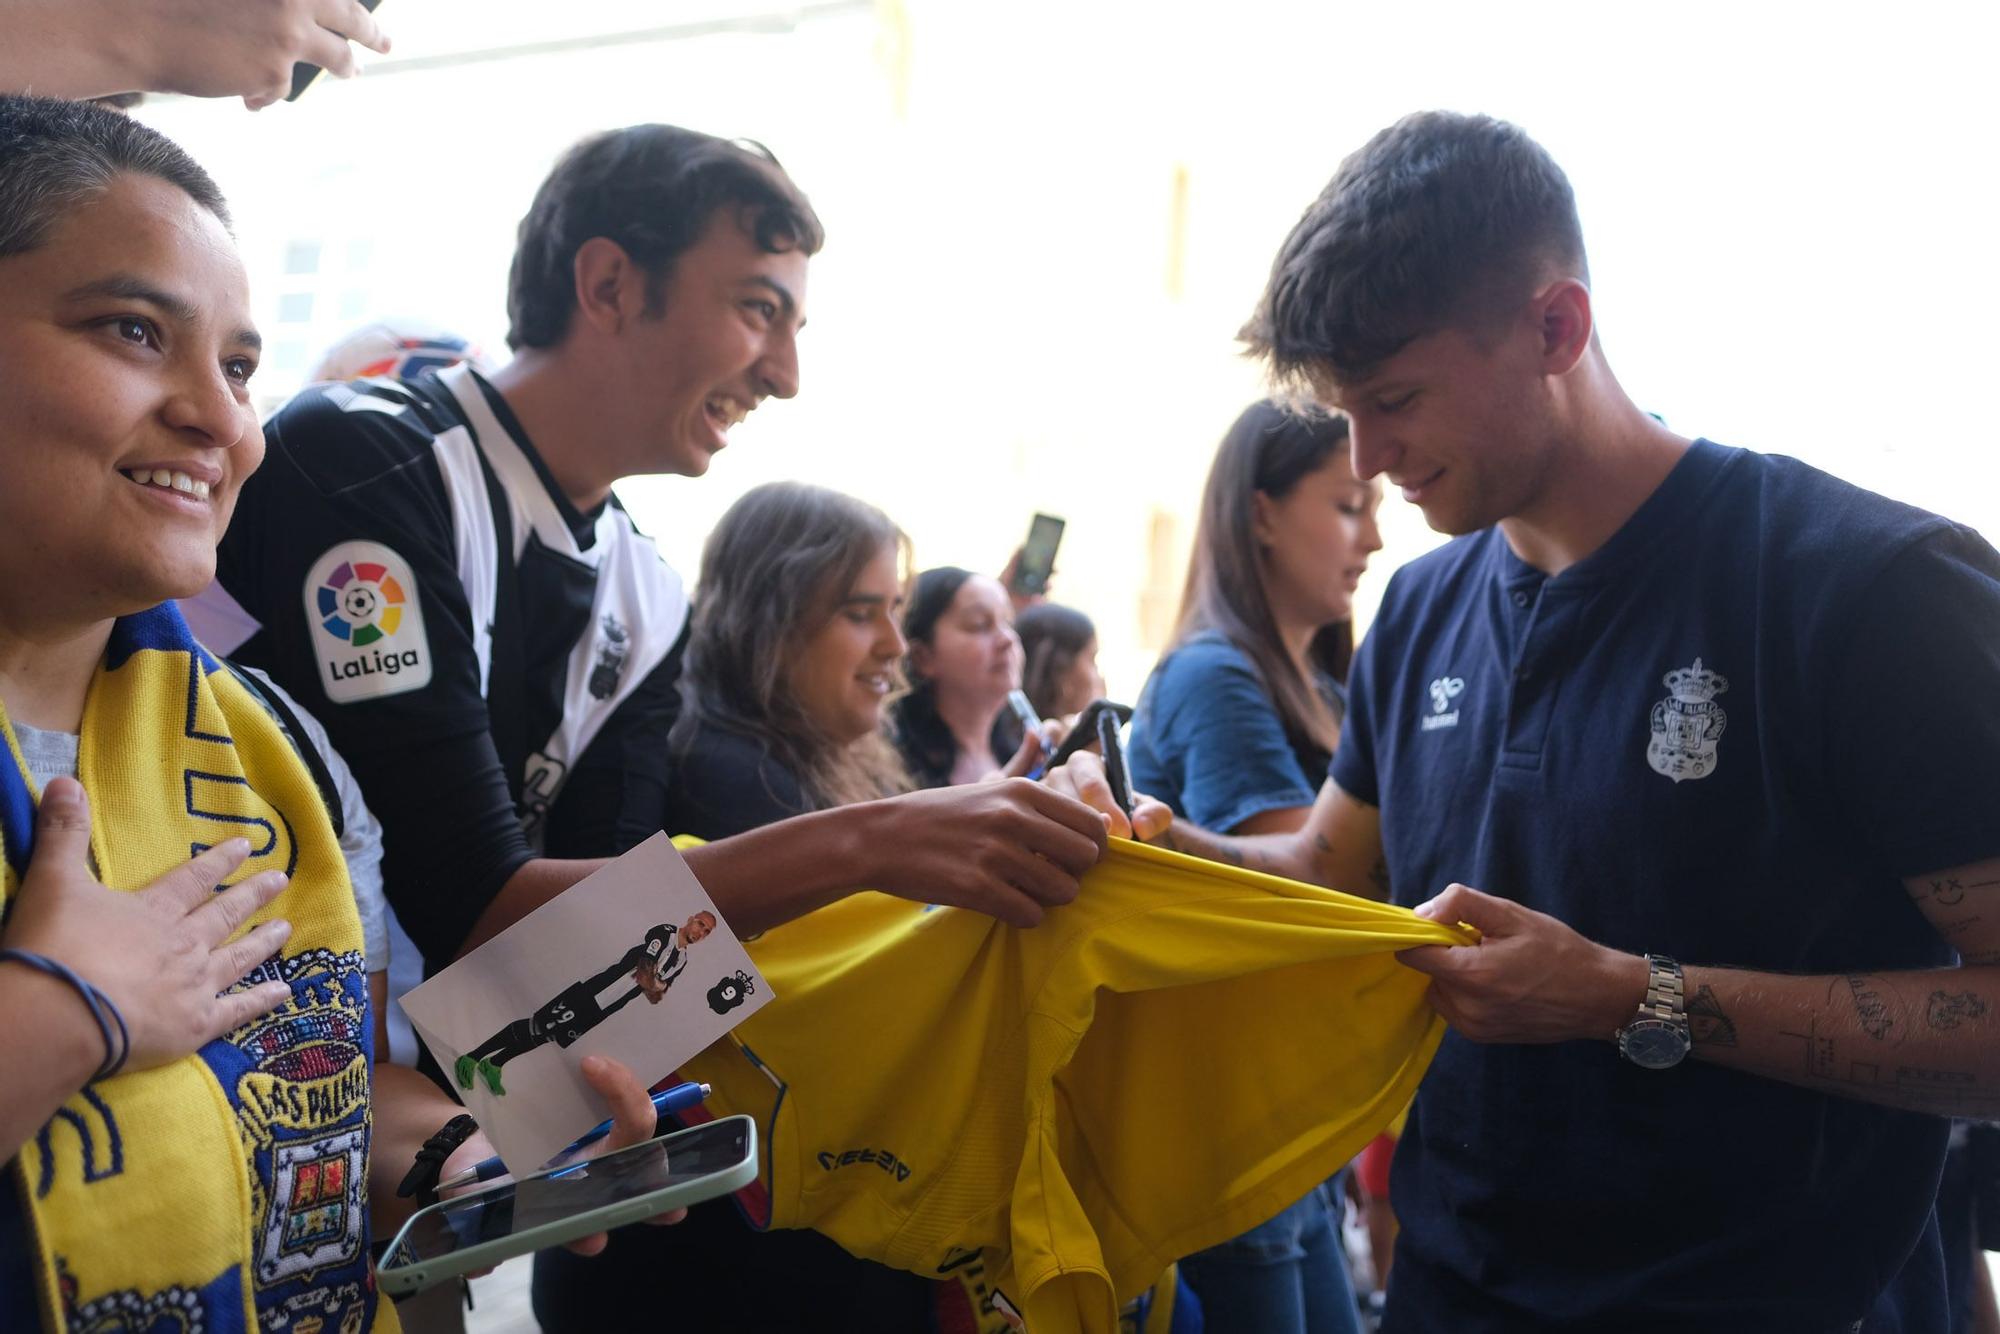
(1173,1058)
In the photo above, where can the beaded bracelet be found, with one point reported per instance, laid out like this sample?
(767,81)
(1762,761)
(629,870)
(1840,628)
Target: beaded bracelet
(100,1006)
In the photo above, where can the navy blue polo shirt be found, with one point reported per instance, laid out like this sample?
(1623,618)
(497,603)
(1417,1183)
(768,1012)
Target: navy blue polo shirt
(1725,736)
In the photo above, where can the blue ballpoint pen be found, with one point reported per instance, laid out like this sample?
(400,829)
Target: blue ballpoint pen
(669,1100)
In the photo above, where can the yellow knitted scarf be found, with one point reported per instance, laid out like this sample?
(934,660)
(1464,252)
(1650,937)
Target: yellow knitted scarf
(224,1191)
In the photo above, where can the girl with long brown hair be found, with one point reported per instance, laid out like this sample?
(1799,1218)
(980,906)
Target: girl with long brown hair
(794,653)
(1235,730)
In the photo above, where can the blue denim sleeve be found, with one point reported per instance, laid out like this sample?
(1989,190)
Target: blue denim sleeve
(1208,742)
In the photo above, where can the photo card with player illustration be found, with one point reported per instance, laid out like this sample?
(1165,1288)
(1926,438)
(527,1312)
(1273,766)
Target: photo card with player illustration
(633,963)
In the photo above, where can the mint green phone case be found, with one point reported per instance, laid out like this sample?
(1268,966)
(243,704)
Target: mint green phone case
(415,1277)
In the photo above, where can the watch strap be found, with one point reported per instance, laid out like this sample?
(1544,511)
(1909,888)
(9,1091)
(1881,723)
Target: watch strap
(1666,992)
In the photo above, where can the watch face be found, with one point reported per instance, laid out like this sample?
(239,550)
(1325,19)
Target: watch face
(1654,1044)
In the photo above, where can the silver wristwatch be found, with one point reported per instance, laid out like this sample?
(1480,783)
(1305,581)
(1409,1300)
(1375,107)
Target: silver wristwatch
(1657,1037)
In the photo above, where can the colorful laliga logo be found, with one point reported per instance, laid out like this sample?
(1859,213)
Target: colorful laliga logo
(368,623)
(361,601)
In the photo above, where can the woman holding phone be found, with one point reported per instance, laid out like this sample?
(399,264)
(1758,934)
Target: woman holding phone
(1234,731)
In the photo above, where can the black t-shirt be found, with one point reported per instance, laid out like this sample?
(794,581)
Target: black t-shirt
(368,550)
(1726,736)
(726,782)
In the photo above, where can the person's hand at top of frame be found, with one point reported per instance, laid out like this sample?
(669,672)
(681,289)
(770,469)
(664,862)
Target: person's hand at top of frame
(1081,777)
(164,954)
(202,48)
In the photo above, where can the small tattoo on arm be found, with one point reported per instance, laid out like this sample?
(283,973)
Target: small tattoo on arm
(1819,1051)
(1948,1011)
(1950,891)
(1871,1008)
(1379,877)
(1708,1022)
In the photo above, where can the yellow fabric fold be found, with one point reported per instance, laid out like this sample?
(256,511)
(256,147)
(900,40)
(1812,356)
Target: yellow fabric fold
(1161,1065)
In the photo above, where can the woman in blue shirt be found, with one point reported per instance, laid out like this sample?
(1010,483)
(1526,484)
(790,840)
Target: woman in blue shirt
(1234,731)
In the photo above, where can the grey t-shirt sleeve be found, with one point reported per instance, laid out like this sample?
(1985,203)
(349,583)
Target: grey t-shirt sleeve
(360,840)
(49,754)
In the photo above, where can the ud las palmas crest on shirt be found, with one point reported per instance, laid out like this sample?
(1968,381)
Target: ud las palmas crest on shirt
(1688,723)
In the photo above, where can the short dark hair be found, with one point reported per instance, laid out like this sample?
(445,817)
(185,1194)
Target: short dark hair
(57,155)
(653,190)
(1441,219)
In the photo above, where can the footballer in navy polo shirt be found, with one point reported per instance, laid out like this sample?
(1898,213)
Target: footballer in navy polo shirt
(1703,741)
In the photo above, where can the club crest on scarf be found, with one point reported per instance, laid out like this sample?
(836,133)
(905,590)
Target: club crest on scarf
(301,1094)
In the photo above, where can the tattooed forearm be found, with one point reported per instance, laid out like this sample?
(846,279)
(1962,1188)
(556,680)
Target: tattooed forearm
(1826,1062)
(1709,1024)
(1198,842)
(1922,1040)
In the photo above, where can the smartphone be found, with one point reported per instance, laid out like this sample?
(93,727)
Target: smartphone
(304,74)
(479,1230)
(1038,555)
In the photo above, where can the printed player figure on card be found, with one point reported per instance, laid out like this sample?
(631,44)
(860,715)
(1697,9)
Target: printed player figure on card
(641,926)
(651,965)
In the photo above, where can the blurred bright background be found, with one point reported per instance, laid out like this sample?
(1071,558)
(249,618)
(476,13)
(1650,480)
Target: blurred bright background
(1047,220)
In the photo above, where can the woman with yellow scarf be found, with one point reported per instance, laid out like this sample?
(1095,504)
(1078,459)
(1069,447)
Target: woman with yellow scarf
(192,1131)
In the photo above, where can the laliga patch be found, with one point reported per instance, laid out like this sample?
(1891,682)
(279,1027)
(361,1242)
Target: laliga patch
(367,623)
